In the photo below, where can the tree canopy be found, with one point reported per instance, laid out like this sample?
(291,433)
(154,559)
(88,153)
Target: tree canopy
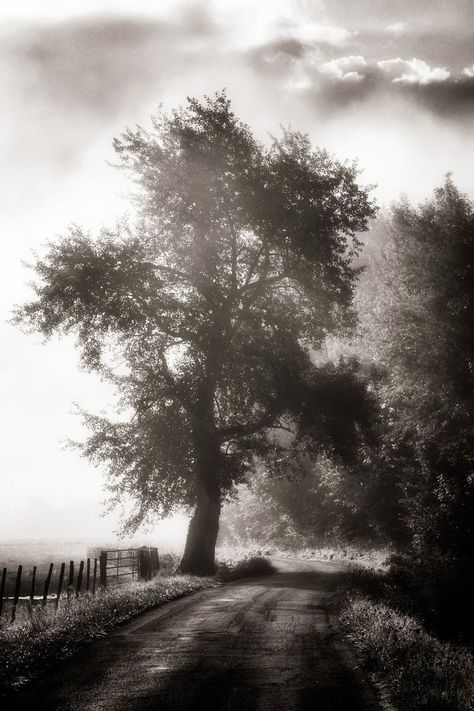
(239,264)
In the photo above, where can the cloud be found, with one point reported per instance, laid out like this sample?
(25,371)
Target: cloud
(314,33)
(338,82)
(352,79)
(344,68)
(397,28)
(413,71)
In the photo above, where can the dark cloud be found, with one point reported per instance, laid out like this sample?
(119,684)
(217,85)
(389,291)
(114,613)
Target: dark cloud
(92,65)
(451,97)
(66,83)
(287,48)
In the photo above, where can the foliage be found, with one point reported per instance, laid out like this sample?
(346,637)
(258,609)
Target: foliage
(419,672)
(240,262)
(322,502)
(168,563)
(416,300)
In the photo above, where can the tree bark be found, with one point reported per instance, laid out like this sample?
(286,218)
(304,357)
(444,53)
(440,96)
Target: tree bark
(199,552)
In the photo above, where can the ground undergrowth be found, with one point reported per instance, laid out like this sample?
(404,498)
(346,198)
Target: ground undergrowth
(41,636)
(418,670)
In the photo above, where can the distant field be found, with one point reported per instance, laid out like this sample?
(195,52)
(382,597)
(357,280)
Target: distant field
(30,553)
(34,552)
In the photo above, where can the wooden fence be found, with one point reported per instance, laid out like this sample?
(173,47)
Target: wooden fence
(42,585)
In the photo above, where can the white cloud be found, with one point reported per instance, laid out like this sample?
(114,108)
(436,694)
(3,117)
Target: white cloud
(322,34)
(344,68)
(413,71)
(397,28)
(469,71)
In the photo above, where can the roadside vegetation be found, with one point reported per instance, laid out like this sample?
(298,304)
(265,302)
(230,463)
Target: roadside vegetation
(417,670)
(352,554)
(397,640)
(44,635)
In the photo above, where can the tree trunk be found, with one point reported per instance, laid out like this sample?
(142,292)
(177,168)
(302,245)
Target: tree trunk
(199,552)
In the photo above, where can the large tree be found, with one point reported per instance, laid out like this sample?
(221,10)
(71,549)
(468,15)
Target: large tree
(239,263)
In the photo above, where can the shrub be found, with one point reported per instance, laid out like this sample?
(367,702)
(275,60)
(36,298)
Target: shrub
(248,567)
(169,563)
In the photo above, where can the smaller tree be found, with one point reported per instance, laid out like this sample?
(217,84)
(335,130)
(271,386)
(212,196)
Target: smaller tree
(418,325)
(239,263)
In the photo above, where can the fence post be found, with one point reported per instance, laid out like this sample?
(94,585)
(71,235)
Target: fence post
(60,582)
(70,580)
(143,563)
(154,560)
(79,578)
(2,589)
(103,569)
(94,579)
(17,591)
(88,574)
(46,584)
(32,589)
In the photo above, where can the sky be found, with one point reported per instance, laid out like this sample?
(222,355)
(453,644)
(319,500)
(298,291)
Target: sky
(388,83)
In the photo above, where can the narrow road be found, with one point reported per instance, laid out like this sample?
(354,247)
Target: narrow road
(263,644)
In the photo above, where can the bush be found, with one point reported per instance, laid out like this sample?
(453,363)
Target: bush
(169,563)
(248,567)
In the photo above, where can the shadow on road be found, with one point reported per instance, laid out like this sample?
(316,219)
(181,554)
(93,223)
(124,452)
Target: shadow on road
(325,581)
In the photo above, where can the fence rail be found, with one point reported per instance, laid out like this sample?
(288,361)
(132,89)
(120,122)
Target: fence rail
(42,584)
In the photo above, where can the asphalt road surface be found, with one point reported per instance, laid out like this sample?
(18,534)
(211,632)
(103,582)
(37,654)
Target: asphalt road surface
(263,644)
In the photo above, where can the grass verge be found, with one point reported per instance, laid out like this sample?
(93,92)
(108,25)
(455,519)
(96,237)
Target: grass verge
(38,639)
(418,671)
(34,641)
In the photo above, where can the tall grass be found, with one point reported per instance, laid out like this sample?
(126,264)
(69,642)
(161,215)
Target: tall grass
(35,640)
(420,672)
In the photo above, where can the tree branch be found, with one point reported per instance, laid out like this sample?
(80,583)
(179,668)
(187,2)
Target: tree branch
(175,386)
(226,433)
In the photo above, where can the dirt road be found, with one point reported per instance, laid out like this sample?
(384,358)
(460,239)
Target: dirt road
(266,644)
